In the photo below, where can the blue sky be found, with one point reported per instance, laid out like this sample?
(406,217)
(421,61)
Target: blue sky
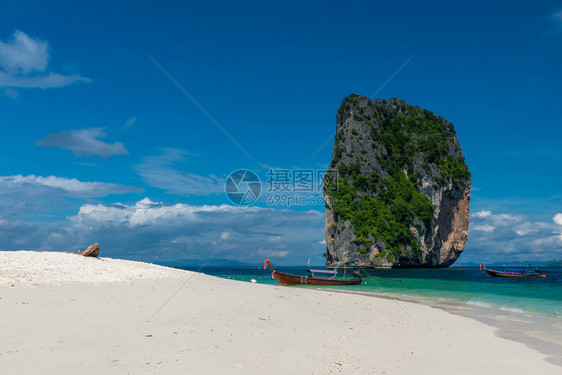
(100,144)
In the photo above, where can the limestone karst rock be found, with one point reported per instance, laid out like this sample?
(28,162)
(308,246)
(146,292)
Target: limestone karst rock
(398,188)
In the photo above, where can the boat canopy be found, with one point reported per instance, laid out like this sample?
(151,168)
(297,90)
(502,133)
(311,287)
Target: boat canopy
(324,271)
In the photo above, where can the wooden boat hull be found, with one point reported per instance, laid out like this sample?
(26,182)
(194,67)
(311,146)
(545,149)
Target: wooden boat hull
(494,273)
(288,279)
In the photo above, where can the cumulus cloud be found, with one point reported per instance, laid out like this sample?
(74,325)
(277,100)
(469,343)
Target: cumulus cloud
(83,143)
(508,237)
(558,220)
(23,54)
(160,171)
(483,228)
(18,186)
(19,235)
(482,213)
(148,230)
(24,61)
(497,220)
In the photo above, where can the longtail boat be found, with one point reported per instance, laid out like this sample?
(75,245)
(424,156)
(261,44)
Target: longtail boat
(510,272)
(315,278)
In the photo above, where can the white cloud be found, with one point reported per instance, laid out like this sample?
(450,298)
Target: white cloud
(38,186)
(498,219)
(83,143)
(23,54)
(558,220)
(147,212)
(484,228)
(18,235)
(527,228)
(24,61)
(507,237)
(160,171)
(131,121)
(51,80)
(482,213)
(149,230)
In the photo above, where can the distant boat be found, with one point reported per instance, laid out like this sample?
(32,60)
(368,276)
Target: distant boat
(511,272)
(317,277)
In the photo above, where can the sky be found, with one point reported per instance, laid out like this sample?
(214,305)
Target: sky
(123,121)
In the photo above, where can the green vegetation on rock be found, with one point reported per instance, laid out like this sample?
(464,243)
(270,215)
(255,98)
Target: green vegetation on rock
(384,202)
(387,216)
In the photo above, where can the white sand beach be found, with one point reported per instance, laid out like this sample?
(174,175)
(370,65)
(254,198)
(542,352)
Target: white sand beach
(66,314)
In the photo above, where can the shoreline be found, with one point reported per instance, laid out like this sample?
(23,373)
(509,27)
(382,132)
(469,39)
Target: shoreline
(205,324)
(539,331)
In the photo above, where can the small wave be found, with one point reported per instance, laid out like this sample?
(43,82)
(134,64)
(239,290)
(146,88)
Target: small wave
(512,309)
(502,308)
(478,303)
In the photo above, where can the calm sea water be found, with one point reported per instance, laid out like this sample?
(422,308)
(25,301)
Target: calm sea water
(467,285)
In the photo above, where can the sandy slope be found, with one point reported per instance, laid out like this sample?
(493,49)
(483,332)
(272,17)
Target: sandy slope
(219,326)
(45,268)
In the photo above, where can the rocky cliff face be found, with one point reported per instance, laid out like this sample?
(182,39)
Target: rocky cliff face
(398,189)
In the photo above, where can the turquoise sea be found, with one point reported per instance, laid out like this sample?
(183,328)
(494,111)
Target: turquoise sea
(468,285)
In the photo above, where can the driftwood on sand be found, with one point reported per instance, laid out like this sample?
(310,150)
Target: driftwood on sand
(91,251)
